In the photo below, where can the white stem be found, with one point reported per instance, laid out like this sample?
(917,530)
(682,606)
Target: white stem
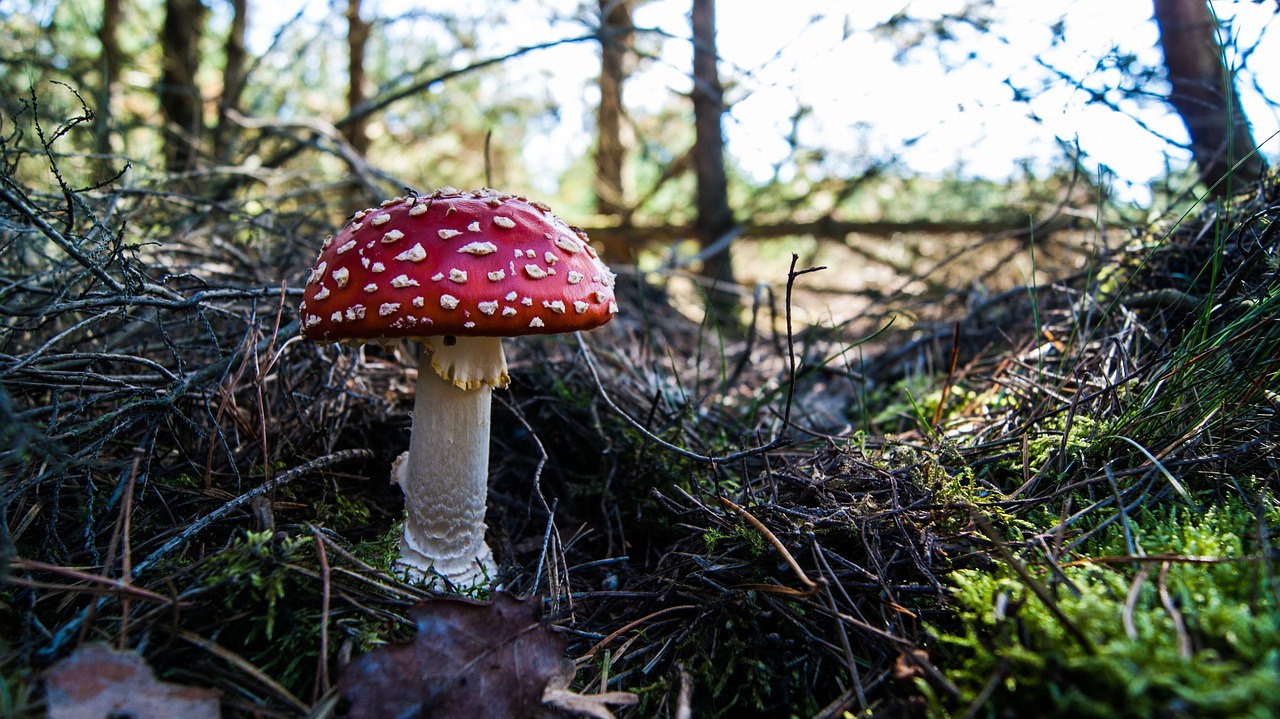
(444,477)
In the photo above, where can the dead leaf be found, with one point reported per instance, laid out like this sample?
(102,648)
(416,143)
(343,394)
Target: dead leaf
(557,696)
(97,682)
(469,660)
(905,667)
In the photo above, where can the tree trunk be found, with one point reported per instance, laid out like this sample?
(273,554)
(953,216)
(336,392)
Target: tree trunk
(356,133)
(110,62)
(232,80)
(715,219)
(180,102)
(616,39)
(1204,94)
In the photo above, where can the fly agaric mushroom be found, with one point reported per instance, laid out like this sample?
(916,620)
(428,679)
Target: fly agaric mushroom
(456,271)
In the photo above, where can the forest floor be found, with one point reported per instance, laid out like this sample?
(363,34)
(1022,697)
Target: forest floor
(908,491)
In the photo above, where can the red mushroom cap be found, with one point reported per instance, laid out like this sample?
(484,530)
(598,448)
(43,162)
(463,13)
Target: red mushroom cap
(475,263)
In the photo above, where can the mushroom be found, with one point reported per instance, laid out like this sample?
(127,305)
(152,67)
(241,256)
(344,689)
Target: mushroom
(456,271)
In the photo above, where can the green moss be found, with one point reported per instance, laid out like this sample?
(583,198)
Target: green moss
(1217,653)
(254,569)
(340,513)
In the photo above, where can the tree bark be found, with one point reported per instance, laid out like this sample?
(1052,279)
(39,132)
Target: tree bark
(233,76)
(715,218)
(616,41)
(180,102)
(110,62)
(356,133)
(1204,94)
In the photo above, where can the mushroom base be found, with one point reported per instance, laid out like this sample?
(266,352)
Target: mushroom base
(444,477)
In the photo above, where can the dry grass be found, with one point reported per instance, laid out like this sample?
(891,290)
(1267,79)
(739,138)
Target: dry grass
(180,475)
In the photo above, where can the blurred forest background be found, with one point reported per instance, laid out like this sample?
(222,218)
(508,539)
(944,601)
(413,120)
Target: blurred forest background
(881,138)
(1044,333)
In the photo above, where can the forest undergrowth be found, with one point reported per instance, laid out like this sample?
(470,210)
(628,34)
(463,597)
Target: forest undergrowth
(1054,500)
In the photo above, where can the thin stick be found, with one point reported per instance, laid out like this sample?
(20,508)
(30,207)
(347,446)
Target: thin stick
(811,587)
(628,627)
(322,671)
(202,523)
(779,441)
(107,585)
(243,664)
(32,215)
(126,557)
(1036,587)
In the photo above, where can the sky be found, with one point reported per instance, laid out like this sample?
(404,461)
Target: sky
(865,99)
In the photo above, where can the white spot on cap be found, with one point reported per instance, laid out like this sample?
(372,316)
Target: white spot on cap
(535,272)
(403,281)
(478,248)
(336,317)
(508,312)
(504,222)
(613,308)
(355,312)
(317,273)
(449,302)
(392,201)
(413,254)
(551,258)
(469,325)
(601,296)
(378,267)
(567,244)
(371,287)
(364,261)
(450,209)
(418,302)
(418,210)
(448,234)
(388,308)
(457,275)
(312,321)
(519,254)
(474,226)
(437,277)
(382,219)
(488,308)
(608,278)
(355,226)
(556,306)
(346,246)
(497,275)
(511,296)
(341,275)
(359,215)
(575,277)
(392,236)
(530,254)
(579,306)
(327,241)
(527,301)
(537,322)
(322,294)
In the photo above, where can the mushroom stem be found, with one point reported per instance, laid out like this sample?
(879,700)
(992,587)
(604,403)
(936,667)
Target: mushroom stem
(444,477)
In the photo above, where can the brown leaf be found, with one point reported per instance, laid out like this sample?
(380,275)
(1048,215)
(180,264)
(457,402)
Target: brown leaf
(97,682)
(469,660)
